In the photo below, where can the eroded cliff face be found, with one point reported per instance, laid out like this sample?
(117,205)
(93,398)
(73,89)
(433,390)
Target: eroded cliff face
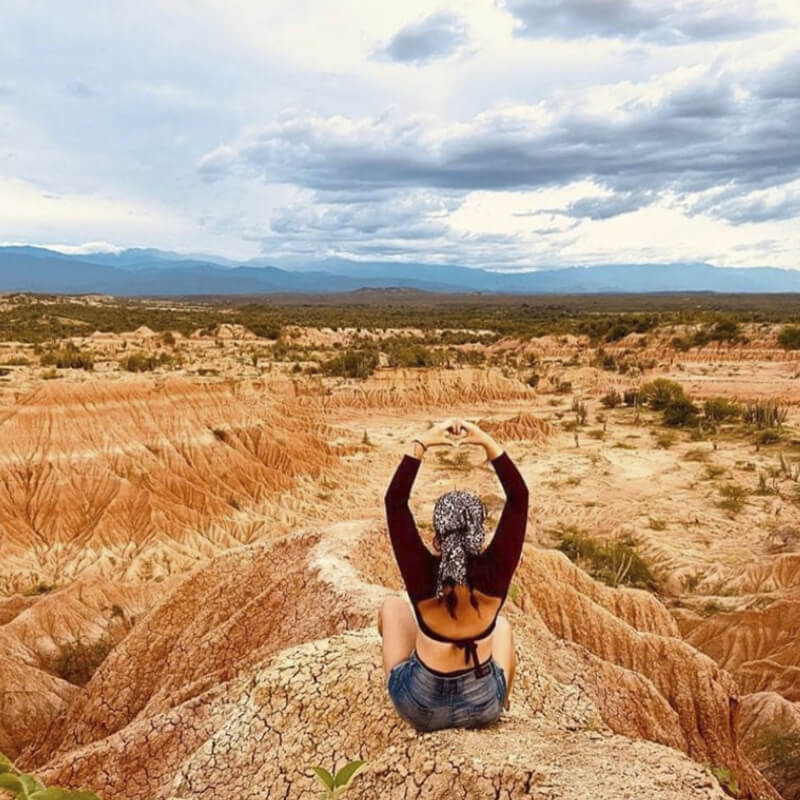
(267,660)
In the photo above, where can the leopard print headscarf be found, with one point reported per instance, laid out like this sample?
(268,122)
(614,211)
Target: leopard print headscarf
(458,521)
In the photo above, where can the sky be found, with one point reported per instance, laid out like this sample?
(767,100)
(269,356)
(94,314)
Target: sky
(506,134)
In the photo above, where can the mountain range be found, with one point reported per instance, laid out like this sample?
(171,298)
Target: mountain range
(151,272)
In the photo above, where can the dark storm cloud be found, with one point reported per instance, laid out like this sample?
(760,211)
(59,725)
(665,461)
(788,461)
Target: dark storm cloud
(437,36)
(648,20)
(707,133)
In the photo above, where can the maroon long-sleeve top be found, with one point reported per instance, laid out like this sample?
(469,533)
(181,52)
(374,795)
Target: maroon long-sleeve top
(491,570)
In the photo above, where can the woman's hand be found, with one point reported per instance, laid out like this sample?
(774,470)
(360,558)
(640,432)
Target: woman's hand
(442,433)
(474,435)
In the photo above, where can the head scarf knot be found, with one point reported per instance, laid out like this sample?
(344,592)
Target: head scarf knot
(458,521)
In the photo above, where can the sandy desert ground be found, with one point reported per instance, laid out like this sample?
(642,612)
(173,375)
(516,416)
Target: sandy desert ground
(192,561)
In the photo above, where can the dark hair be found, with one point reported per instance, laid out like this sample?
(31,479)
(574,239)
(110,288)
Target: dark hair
(450,597)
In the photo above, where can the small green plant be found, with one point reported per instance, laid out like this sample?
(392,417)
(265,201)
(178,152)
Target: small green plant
(766,485)
(21,786)
(657,524)
(141,362)
(726,779)
(513,591)
(336,785)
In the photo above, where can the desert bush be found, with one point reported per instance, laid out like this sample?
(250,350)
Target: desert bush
(40,588)
(611,399)
(141,362)
(719,409)
(77,661)
(696,454)
(733,497)
(680,412)
(22,786)
(657,524)
(659,393)
(67,357)
(613,562)
(533,379)
(564,387)
(767,437)
(714,471)
(782,752)
(665,439)
(789,337)
(168,339)
(336,785)
(352,364)
(49,374)
(17,361)
(412,354)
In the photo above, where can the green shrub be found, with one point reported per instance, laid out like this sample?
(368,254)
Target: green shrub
(141,362)
(40,588)
(726,780)
(733,497)
(767,437)
(67,357)
(782,753)
(659,393)
(77,661)
(413,355)
(789,337)
(613,563)
(22,786)
(678,413)
(666,439)
(611,399)
(719,409)
(352,364)
(17,361)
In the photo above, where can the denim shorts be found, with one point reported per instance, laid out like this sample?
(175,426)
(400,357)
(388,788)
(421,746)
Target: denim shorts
(428,701)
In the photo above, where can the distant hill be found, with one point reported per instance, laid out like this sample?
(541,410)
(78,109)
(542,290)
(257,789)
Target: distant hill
(143,272)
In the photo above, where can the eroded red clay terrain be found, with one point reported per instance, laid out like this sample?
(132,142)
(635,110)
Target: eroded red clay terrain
(192,567)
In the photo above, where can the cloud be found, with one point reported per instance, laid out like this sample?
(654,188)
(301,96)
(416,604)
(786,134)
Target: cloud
(6,91)
(658,21)
(80,89)
(685,134)
(437,36)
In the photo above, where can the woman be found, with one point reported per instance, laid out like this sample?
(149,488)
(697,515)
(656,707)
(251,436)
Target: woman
(430,688)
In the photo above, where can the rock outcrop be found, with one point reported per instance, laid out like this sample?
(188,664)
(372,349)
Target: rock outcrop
(266,661)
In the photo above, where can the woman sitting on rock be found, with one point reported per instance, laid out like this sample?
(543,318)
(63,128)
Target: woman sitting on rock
(430,688)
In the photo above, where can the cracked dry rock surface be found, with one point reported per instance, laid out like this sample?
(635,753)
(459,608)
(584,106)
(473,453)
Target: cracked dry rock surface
(266,661)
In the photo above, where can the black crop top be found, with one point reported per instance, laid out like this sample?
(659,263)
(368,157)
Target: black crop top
(491,570)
